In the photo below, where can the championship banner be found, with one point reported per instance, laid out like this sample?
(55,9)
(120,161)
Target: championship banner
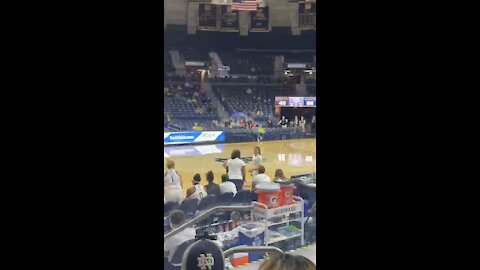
(207,15)
(228,19)
(259,20)
(192,137)
(307,16)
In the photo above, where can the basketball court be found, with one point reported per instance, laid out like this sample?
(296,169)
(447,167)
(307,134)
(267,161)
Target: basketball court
(292,156)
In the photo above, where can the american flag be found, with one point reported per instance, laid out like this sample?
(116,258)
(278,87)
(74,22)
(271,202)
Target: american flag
(244,5)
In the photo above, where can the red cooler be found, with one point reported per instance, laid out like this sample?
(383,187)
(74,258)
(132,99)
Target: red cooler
(286,192)
(269,194)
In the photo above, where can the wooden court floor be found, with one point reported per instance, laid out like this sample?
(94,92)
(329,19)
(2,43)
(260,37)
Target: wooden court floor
(292,156)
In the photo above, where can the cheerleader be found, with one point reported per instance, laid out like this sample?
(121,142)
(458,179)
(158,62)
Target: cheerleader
(256,160)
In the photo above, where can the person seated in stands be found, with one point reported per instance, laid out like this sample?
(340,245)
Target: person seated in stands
(197,127)
(279,175)
(211,188)
(270,123)
(287,262)
(227,186)
(261,177)
(197,191)
(177,217)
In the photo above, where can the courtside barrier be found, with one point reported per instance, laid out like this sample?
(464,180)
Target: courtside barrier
(193,137)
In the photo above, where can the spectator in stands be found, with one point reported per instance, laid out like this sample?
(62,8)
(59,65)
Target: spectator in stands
(279,175)
(211,188)
(197,191)
(249,91)
(177,217)
(261,131)
(256,132)
(261,177)
(227,186)
(236,169)
(196,127)
(172,183)
(269,123)
(287,262)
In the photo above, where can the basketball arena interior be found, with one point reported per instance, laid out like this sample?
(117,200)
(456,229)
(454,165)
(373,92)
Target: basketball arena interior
(240,134)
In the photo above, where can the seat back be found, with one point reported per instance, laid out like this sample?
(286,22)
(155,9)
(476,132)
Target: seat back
(189,207)
(225,198)
(207,202)
(243,196)
(169,206)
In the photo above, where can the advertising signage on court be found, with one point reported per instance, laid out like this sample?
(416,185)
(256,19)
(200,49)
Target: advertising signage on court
(193,137)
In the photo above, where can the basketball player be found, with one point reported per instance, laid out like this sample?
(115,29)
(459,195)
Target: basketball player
(197,191)
(283,122)
(301,123)
(256,160)
(172,182)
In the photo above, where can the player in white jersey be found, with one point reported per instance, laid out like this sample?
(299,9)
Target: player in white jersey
(301,123)
(256,160)
(197,191)
(172,183)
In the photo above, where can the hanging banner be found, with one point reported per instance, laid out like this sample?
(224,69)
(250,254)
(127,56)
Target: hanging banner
(259,20)
(307,16)
(228,19)
(207,15)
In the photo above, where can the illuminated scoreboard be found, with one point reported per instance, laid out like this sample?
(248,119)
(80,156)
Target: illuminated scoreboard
(296,101)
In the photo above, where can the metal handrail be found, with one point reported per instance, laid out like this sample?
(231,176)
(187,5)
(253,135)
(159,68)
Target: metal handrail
(233,250)
(206,214)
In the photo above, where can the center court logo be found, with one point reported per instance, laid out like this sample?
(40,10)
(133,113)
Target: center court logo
(245,159)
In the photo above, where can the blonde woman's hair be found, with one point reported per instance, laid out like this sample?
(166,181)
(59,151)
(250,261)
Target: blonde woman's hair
(287,262)
(170,164)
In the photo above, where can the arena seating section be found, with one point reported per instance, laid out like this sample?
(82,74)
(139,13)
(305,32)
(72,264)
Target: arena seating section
(232,92)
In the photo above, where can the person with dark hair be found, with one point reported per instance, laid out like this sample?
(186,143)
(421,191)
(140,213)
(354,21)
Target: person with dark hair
(236,169)
(279,175)
(211,188)
(287,262)
(227,186)
(197,191)
(261,177)
(177,217)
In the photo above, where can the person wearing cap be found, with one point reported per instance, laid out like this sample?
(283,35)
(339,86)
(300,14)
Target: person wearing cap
(197,191)
(177,217)
(261,177)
